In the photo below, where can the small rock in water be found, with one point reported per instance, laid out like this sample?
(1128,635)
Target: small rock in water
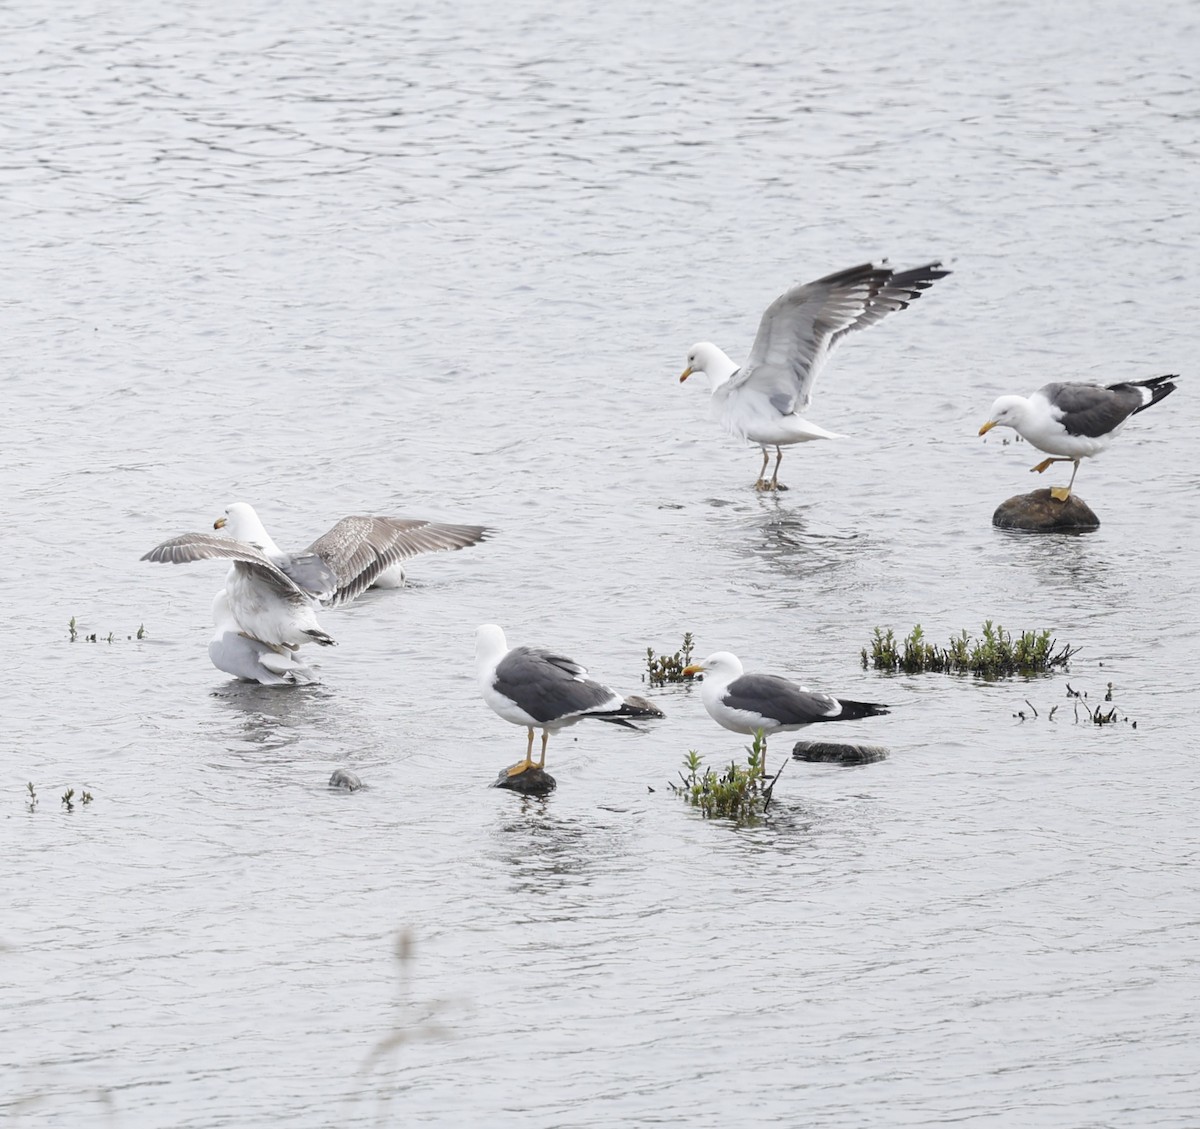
(834,752)
(344,778)
(532,782)
(1040,513)
(643,707)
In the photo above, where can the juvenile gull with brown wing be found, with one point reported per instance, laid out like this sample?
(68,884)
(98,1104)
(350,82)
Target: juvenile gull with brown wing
(273,596)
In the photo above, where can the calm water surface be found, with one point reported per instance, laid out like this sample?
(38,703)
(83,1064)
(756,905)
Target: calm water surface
(447,261)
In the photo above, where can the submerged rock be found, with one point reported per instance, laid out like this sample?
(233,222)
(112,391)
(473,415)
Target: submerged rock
(344,778)
(1040,513)
(835,752)
(532,782)
(642,707)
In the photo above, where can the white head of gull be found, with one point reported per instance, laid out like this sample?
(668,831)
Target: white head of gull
(760,401)
(1075,420)
(746,703)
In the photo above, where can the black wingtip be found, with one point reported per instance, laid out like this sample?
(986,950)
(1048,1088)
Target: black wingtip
(1159,387)
(851,710)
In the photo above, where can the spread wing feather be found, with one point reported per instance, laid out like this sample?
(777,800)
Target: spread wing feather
(359,549)
(801,328)
(190,547)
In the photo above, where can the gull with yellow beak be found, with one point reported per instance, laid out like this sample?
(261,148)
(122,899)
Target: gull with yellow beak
(1075,420)
(746,703)
(759,401)
(273,597)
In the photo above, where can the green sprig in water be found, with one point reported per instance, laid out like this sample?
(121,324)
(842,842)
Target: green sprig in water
(662,669)
(740,793)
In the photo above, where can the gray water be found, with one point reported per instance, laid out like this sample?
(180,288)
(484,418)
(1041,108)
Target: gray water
(350,258)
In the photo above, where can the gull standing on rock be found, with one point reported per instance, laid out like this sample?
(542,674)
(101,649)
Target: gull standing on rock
(540,689)
(799,330)
(746,703)
(272,597)
(1076,420)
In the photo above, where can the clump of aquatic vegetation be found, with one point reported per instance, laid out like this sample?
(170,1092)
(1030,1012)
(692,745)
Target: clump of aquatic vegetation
(1082,710)
(740,792)
(68,799)
(662,669)
(995,654)
(74,633)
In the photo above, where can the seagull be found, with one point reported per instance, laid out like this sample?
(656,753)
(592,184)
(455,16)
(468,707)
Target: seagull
(799,330)
(273,597)
(537,688)
(746,703)
(234,652)
(1076,420)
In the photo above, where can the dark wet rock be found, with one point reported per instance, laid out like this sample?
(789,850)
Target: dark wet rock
(642,707)
(1040,513)
(532,782)
(344,778)
(835,752)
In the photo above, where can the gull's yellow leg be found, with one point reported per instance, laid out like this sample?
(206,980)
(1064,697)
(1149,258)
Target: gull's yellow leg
(761,484)
(527,763)
(775,477)
(1062,493)
(545,738)
(1041,467)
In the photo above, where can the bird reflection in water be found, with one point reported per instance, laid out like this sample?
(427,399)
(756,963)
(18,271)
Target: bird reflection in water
(267,717)
(544,852)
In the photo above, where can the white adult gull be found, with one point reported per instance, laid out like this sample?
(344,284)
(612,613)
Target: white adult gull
(273,597)
(759,401)
(234,652)
(746,703)
(1076,420)
(541,689)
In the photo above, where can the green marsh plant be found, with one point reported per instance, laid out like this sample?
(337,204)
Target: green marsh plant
(995,654)
(662,669)
(740,793)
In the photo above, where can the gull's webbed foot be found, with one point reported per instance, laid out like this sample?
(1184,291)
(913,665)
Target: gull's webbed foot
(1041,467)
(1060,493)
(523,766)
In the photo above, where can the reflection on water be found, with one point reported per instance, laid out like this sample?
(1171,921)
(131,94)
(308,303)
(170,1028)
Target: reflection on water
(274,717)
(544,852)
(1077,568)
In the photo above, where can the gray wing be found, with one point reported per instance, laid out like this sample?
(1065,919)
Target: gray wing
(359,549)
(801,328)
(777,698)
(550,687)
(190,547)
(1091,410)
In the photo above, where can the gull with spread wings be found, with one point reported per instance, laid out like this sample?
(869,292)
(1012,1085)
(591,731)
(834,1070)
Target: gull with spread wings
(272,597)
(759,401)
